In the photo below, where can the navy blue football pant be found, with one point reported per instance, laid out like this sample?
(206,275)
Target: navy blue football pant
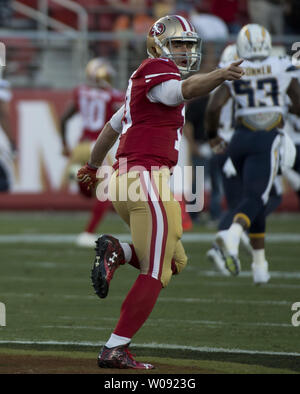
(251,192)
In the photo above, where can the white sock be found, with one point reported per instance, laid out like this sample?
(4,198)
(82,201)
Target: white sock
(259,257)
(235,232)
(127,251)
(116,340)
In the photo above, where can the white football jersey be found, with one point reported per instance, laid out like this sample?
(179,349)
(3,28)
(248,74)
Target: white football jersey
(261,91)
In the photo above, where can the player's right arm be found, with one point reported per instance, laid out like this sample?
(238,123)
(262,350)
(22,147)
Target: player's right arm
(212,116)
(104,143)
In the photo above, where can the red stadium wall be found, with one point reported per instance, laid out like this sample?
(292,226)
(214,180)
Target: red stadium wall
(70,202)
(45,107)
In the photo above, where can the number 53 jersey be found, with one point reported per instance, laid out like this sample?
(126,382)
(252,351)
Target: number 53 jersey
(260,94)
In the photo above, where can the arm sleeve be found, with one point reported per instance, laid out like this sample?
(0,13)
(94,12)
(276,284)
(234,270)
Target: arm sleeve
(168,93)
(116,120)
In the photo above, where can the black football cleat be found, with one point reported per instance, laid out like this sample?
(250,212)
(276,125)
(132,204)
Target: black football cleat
(109,256)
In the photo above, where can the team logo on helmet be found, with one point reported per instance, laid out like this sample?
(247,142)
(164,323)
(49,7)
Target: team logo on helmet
(157,29)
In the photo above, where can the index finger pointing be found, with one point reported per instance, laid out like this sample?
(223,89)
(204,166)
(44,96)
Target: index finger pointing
(238,62)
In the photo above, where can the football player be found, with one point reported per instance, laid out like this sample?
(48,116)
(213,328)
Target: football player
(96,101)
(149,126)
(232,183)
(259,98)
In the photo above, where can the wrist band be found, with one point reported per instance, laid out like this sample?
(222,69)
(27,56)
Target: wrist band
(92,167)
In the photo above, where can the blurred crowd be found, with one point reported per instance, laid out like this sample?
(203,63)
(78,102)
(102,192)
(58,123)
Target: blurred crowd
(222,16)
(214,20)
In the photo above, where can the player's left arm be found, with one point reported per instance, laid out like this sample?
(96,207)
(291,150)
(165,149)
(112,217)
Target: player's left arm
(212,116)
(294,94)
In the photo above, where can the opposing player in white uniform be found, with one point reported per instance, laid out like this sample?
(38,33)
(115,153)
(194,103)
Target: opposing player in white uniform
(231,181)
(259,99)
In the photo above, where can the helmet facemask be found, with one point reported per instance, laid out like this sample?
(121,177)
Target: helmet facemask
(187,61)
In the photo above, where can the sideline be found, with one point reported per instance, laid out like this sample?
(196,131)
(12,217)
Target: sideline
(154,346)
(187,237)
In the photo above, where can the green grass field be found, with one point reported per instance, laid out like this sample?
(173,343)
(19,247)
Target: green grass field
(217,324)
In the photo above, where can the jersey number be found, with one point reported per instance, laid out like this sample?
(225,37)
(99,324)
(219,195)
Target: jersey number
(269,85)
(93,111)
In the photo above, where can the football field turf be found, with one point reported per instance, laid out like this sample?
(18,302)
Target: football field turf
(202,322)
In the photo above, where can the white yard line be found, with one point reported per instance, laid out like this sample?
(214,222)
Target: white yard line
(77,327)
(205,349)
(187,237)
(161,299)
(153,322)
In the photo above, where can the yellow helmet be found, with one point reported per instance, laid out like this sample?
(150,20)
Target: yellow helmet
(174,28)
(99,72)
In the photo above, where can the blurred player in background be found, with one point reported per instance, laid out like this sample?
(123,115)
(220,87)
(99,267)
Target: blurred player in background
(96,101)
(7,140)
(150,128)
(232,183)
(259,99)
